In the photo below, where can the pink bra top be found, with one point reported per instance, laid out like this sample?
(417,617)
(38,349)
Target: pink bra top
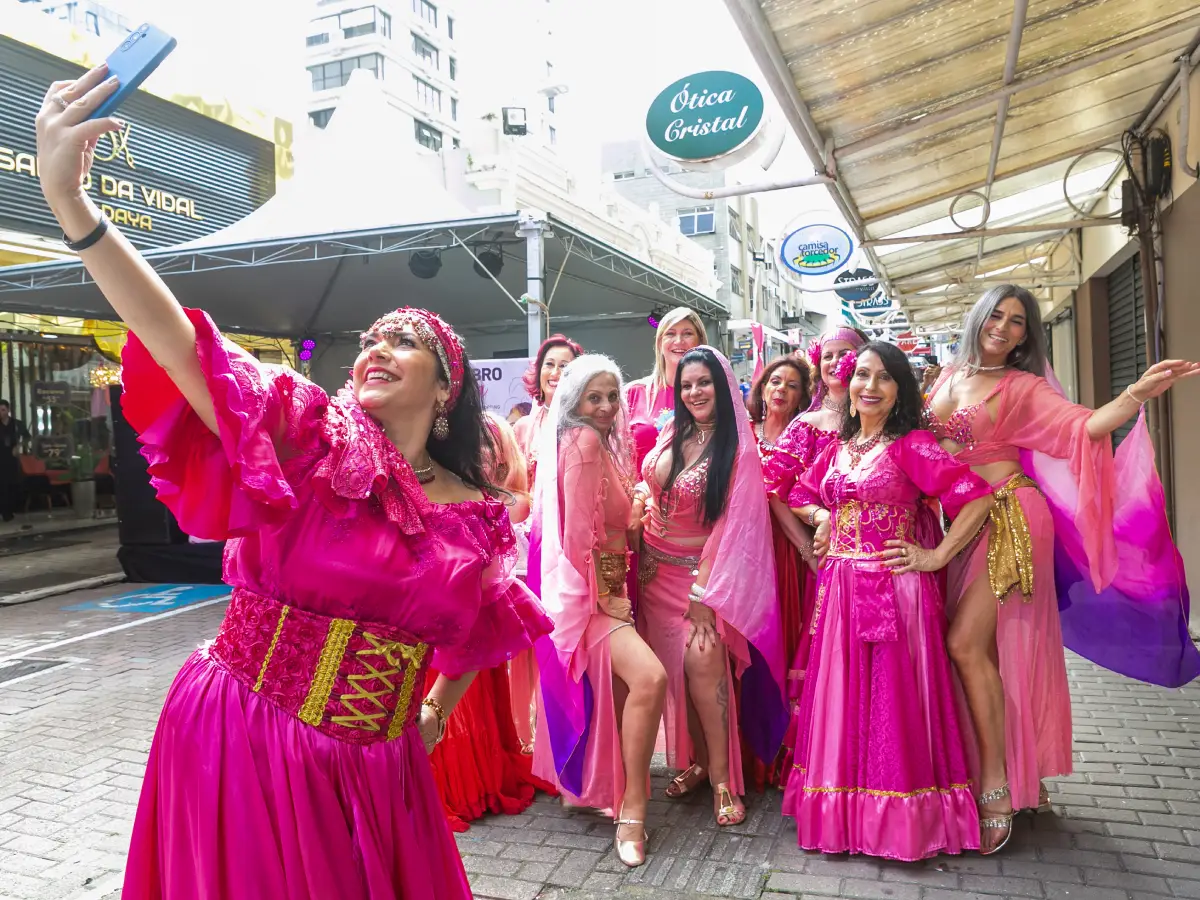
(972,428)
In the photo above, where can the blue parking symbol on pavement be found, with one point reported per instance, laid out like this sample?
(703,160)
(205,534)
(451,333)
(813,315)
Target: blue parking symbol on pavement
(156,598)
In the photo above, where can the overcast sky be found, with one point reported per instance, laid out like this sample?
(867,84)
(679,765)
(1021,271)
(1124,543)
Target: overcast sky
(614,55)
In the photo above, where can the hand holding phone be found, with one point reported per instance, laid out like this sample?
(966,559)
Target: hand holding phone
(132,62)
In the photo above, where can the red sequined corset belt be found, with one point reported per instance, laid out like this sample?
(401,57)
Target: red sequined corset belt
(355,681)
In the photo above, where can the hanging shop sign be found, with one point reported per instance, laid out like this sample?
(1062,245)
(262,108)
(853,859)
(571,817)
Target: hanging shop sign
(705,116)
(816,250)
(169,176)
(51,393)
(913,345)
(856,293)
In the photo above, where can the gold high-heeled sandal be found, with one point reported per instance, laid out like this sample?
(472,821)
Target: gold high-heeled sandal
(727,811)
(1044,807)
(685,782)
(995,822)
(631,853)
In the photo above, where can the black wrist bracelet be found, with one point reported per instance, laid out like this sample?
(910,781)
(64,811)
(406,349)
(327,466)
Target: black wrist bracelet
(91,239)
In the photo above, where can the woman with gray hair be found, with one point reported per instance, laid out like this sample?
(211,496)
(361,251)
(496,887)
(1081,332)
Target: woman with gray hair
(1060,536)
(602,686)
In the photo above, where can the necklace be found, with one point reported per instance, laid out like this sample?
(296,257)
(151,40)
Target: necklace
(859,449)
(702,433)
(832,405)
(761,431)
(991,368)
(425,473)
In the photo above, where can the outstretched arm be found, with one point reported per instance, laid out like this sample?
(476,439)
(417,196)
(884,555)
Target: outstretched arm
(66,142)
(1158,379)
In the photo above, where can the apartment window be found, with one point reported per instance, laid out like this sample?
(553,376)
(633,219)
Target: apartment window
(426,11)
(315,40)
(427,135)
(697,220)
(450,27)
(427,95)
(624,176)
(553,135)
(336,74)
(352,23)
(751,291)
(735,280)
(92,23)
(453,68)
(455,143)
(751,237)
(550,102)
(426,51)
(735,226)
(454,108)
(321,117)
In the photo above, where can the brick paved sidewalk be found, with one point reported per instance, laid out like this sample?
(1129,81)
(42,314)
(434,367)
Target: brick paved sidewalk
(73,745)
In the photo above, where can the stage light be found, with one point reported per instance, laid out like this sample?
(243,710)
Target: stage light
(492,258)
(307,347)
(425,263)
(514,120)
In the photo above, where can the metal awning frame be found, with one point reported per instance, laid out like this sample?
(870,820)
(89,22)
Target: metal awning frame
(751,21)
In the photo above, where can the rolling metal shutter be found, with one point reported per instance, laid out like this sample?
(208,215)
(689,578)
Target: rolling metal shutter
(1126,332)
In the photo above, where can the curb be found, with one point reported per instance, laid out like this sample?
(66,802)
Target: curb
(54,590)
(73,528)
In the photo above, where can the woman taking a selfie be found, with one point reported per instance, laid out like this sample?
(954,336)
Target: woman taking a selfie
(291,759)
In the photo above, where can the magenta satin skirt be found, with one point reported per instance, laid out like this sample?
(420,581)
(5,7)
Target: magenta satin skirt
(243,801)
(882,755)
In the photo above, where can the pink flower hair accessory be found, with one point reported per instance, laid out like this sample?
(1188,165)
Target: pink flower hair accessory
(845,367)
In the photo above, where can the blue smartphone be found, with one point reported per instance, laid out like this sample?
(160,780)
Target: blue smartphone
(132,62)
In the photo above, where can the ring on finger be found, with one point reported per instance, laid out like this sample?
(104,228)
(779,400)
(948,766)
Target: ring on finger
(60,101)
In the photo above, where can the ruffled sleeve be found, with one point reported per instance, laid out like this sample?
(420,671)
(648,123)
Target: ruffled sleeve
(1036,418)
(510,617)
(807,489)
(226,485)
(793,452)
(936,473)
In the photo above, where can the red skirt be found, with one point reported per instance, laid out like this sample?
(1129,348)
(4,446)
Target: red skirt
(796,618)
(479,767)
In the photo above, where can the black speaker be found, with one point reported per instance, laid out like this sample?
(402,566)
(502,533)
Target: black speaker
(141,518)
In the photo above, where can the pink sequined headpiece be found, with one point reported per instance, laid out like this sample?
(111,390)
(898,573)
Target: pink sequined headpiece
(436,334)
(841,333)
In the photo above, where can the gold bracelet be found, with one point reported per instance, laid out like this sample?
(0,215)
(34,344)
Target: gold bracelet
(603,593)
(440,711)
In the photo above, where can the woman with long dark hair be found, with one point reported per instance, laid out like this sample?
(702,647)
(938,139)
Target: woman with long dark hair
(1096,528)
(881,762)
(707,602)
(781,391)
(367,544)
(602,687)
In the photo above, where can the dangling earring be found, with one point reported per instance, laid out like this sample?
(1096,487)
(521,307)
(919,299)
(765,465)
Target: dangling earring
(441,425)
(853,408)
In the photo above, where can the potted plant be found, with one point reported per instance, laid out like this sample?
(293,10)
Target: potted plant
(83,483)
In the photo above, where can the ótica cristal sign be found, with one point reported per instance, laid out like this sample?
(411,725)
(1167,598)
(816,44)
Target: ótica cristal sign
(705,116)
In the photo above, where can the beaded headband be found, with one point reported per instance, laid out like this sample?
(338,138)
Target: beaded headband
(435,334)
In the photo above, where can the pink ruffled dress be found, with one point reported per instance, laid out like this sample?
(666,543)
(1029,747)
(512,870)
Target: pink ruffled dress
(882,763)
(286,762)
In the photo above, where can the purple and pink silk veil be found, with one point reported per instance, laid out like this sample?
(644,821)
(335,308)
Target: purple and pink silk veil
(741,586)
(1122,592)
(568,594)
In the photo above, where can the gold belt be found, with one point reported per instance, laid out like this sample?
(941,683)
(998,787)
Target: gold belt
(614,567)
(650,559)
(1010,546)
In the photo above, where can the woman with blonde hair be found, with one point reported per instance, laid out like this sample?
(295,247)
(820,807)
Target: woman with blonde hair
(651,400)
